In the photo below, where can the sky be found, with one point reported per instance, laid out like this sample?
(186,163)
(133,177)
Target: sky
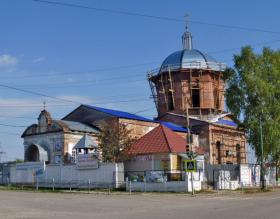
(102,58)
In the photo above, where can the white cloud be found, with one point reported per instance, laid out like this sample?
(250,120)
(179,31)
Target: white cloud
(40,59)
(8,60)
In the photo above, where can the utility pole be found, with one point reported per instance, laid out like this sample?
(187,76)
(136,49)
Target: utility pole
(1,152)
(261,147)
(188,140)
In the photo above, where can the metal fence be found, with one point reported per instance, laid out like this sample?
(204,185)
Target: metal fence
(68,185)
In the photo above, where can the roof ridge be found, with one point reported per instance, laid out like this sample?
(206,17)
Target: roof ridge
(165,137)
(119,113)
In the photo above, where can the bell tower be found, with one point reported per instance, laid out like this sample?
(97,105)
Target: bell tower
(188,79)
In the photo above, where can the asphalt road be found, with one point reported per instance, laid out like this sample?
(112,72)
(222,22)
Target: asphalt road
(15,204)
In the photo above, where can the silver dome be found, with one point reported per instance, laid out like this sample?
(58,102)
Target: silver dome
(190,59)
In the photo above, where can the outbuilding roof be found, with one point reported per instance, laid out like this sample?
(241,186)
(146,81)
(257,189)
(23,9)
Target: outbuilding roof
(160,140)
(86,142)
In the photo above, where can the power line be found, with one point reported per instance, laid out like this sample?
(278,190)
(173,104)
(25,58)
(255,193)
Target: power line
(126,66)
(38,94)
(236,48)
(55,3)
(87,71)
(26,126)
(63,105)
(108,10)
(26,117)
(74,84)
(17,117)
(14,126)
(10,133)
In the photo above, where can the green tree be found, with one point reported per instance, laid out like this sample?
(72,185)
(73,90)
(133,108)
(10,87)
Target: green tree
(114,142)
(18,160)
(253,95)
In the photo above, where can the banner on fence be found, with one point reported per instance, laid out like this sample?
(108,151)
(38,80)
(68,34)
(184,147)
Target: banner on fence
(87,161)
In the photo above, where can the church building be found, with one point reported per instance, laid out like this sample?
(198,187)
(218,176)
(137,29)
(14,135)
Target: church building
(188,91)
(190,84)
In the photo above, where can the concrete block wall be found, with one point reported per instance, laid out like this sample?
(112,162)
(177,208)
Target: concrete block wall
(64,175)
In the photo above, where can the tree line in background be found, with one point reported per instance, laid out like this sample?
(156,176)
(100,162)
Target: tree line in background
(253,96)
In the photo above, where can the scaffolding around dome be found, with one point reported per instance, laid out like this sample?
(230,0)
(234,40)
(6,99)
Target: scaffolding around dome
(214,66)
(176,88)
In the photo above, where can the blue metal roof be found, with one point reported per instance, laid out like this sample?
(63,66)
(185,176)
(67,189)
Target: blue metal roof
(226,122)
(174,127)
(120,114)
(190,59)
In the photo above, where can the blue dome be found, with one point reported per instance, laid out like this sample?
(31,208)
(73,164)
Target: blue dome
(190,59)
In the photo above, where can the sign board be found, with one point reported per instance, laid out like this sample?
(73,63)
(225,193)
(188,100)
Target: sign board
(143,158)
(245,174)
(57,159)
(87,161)
(190,165)
(199,165)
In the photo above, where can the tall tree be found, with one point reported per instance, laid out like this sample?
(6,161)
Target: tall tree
(253,95)
(115,142)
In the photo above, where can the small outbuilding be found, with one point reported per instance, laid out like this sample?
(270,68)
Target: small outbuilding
(160,150)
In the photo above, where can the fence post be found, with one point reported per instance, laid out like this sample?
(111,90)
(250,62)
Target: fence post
(37,186)
(165,181)
(70,186)
(8,182)
(88,185)
(145,185)
(187,182)
(53,184)
(109,189)
(129,187)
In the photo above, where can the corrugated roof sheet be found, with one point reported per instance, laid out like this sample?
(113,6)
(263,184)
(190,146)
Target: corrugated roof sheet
(226,122)
(77,126)
(160,140)
(120,114)
(174,127)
